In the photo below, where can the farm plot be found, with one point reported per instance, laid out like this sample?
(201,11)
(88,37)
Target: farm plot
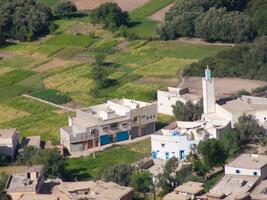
(124,4)
(167,67)
(9,113)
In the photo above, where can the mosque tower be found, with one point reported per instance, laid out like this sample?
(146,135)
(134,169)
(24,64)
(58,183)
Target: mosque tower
(209,104)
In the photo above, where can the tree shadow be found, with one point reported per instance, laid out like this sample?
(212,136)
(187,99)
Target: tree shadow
(77,174)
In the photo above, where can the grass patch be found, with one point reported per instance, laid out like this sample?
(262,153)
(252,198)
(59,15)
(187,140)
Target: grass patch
(167,67)
(149,8)
(18,62)
(63,25)
(14,77)
(51,95)
(48,2)
(68,40)
(85,168)
(8,113)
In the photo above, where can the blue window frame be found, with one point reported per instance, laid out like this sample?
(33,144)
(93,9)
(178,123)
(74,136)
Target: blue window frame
(255,173)
(163,145)
(167,156)
(237,171)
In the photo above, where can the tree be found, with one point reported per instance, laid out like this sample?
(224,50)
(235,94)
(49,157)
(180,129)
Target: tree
(142,181)
(171,165)
(4,195)
(53,162)
(188,111)
(3,180)
(120,173)
(212,153)
(110,15)
(248,129)
(230,142)
(211,20)
(64,8)
(166,179)
(23,19)
(245,61)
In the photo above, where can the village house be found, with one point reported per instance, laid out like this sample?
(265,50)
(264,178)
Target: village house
(9,142)
(243,179)
(29,180)
(114,121)
(187,191)
(180,137)
(222,113)
(167,99)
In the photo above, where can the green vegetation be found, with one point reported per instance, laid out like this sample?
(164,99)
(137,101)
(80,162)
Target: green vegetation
(210,20)
(188,111)
(52,161)
(48,2)
(51,95)
(24,20)
(119,173)
(149,8)
(64,9)
(85,168)
(135,69)
(110,15)
(244,61)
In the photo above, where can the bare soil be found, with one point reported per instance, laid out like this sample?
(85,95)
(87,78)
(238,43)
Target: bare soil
(201,41)
(126,5)
(6,54)
(84,28)
(223,86)
(54,63)
(160,15)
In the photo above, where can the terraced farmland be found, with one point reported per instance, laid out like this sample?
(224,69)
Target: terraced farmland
(63,61)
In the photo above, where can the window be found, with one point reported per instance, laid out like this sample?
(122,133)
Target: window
(150,117)
(237,171)
(115,125)
(135,119)
(163,145)
(147,118)
(255,173)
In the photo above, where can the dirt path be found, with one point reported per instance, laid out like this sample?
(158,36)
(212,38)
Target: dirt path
(200,41)
(126,5)
(160,15)
(49,103)
(54,63)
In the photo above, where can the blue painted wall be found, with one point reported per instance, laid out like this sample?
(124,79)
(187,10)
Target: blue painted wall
(122,136)
(105,139)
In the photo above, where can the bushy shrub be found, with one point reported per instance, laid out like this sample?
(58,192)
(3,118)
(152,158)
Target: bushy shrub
(51,95)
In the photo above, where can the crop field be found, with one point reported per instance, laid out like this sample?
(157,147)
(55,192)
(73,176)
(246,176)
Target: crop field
(85,168)
(58,68)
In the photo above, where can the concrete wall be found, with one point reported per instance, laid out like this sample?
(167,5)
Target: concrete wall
(9,146)
(208,96)
(244,172)
(166,100)
(171,144)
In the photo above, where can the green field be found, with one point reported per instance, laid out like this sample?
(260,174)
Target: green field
(143,67)
(85,168)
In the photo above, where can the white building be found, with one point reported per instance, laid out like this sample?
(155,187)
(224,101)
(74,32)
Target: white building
(167,99)
(9,142)
(178,138)
(242,177)
(230,111)
(114,121)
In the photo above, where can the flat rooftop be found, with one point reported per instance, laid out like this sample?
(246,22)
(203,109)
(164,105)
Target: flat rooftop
(260,191)
(233,186)
(237,106)
(38,196)
(97,190)
(19,182)
(190,187)
(248,161)
(175,196)
(7,133)
(34,141)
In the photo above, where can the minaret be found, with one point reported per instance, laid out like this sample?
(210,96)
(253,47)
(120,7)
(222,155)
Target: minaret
(208,92)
